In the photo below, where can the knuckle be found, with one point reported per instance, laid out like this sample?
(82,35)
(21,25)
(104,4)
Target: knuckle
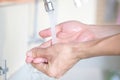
(35,51)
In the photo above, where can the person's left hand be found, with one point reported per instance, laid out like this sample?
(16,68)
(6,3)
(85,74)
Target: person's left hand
(70,31)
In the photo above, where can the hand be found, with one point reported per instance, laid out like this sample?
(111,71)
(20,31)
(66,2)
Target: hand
(71,31)
(55,60)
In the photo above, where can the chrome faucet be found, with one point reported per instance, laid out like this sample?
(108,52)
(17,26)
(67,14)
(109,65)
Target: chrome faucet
(48,5)
(4,70)
(77,3)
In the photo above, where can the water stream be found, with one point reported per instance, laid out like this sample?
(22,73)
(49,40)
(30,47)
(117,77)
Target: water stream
(52,19)
(35,74)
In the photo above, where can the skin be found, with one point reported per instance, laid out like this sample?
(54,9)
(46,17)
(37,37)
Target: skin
(75,41)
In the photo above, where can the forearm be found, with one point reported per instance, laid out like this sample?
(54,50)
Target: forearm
(101,47)
(102,31)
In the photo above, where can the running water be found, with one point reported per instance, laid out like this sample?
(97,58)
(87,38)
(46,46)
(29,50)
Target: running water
(35,74)
(53,20)
(52,25)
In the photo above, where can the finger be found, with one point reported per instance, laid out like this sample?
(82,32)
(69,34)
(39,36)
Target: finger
(40,60)
(36,52)
(45,69)
(46,44)
(47,32)
(29,59)
(41,67)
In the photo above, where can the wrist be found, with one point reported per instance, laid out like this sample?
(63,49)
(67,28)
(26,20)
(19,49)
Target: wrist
(82,50)
(104,31)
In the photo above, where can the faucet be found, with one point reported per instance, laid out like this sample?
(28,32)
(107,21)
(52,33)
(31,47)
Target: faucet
(77,3)
(4,70)
(48,5)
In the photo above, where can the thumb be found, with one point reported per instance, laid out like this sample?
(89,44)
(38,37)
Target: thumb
(41,67)
(36,53)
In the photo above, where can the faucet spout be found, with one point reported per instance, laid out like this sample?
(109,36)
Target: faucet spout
(48,5)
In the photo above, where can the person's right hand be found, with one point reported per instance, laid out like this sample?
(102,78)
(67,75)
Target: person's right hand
(56,60)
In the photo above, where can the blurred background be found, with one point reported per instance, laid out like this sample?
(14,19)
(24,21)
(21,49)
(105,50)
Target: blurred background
(20,22)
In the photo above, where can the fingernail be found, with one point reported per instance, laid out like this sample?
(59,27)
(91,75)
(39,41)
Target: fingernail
(29,59)
(29,54)
(40,60)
